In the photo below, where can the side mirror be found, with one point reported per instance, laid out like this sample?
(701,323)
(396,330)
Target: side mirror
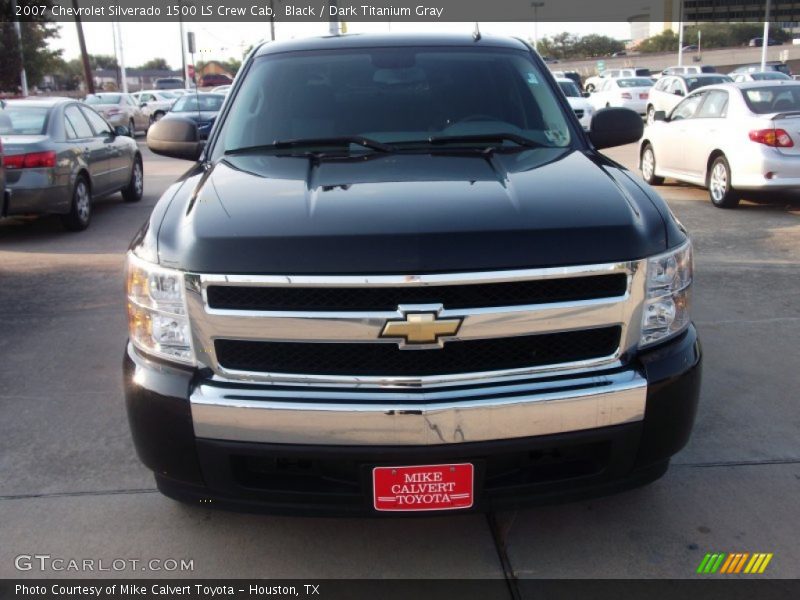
(142,104)
(121,130)
(660,115)
(586,94)
(679,92)
(615,127)
(176,138)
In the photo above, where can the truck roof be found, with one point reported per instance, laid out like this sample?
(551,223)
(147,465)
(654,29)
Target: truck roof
(388,41)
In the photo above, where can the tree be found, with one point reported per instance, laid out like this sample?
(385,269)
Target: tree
(713,35)
(103,61)
(158,64)
(568,45)
(39,59)
(666,41)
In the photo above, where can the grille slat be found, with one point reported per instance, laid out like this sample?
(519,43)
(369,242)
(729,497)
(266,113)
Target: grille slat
(512,293)
(383,359)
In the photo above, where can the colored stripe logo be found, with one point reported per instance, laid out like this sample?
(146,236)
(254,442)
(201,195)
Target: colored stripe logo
(734,563)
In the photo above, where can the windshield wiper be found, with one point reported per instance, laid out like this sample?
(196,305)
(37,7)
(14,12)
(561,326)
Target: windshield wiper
(488,138)
(330,141)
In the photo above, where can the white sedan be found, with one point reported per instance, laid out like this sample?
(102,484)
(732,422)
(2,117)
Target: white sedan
(580,105)
(628,92)
(729,138)
(155,103)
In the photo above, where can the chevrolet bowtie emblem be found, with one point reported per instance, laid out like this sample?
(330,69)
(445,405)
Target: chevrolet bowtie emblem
(420,328)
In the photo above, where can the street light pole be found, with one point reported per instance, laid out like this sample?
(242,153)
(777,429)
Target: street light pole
(765,40)
(23,77)
(680,34)
(536,6)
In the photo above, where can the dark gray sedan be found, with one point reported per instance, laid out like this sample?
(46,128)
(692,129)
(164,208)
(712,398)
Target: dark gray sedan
(60,154)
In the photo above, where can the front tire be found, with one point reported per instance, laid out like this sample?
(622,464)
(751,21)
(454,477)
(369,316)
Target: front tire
(590,88)
(648,166)
(134,191)
(80,213)
(132,128)
(719,185)
(651,114)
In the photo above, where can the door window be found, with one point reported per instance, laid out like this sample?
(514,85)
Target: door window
(77,121)
(101,128)
(715,105)
(687,108)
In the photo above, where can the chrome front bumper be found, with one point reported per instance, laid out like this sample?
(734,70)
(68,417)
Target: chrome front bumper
(524,409)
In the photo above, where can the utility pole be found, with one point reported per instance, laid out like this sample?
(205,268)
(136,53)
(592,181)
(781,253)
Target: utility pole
(121,58)
(87,68)
(536,6)
(765,41)
(183,54)
(23,77)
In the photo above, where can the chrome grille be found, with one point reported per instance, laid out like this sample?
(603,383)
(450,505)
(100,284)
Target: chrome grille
(247,327)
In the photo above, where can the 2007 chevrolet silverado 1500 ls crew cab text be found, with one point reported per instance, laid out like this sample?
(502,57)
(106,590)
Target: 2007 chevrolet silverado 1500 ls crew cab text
(400,277)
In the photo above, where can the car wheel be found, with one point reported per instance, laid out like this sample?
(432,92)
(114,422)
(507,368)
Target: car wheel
(719,185)
(157,116)
(80,210)
(651,114)
(132,128)
(590,88)
(134,191)
(648,164)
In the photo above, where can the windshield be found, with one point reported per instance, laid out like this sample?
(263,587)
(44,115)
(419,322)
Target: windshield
(769,76)
(765,100)
(207,102)
(570,89)
(394,95)
(103,99)
(634,82)
(23,120)
(697,82)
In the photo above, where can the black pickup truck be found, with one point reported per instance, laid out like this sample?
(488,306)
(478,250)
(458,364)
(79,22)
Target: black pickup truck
(400,277)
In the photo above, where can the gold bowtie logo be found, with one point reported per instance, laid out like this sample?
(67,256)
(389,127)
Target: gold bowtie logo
(420,328)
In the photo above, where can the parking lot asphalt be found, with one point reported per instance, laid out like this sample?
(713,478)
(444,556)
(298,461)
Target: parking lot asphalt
(72,487)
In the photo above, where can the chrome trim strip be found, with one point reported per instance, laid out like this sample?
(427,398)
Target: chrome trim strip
(480,323)
(263,416)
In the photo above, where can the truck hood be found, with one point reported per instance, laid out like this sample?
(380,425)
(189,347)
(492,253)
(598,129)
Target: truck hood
(408,213)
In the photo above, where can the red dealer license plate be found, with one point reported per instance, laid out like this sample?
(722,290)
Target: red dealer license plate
(423,487)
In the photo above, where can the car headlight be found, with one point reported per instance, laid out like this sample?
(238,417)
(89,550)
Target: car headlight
(668,295)
(157,317)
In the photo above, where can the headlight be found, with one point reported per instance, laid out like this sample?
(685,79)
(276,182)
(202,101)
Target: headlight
(668,295)
(157,317)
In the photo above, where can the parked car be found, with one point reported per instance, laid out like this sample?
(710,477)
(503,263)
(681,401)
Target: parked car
(573,75)
(169,83)
(399,260)
(759,42)
(5,124)
(215,79)
(200,107)
(626,92)
(119,109)
(593,83)
(580,105)
(761,76)
(687,70)
(774,65)
(670,90)
(155,103)
(730,138)
(690,48)
(60,155)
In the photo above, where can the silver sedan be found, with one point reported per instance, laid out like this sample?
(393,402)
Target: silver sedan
(60,154)
(730,138)
(120,109)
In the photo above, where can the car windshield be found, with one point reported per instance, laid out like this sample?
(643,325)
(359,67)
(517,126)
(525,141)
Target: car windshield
(193,103)
(770,76)
(697,82)
(765,100)
(570,89)
(634,82)
(395,95)
(103,99)
(23,120)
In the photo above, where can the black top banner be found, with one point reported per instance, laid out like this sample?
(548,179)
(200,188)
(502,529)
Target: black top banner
(405,10)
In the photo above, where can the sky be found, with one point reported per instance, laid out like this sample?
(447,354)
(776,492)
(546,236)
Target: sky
(215,41)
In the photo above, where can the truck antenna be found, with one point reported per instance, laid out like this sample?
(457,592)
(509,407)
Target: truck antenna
(476,33)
